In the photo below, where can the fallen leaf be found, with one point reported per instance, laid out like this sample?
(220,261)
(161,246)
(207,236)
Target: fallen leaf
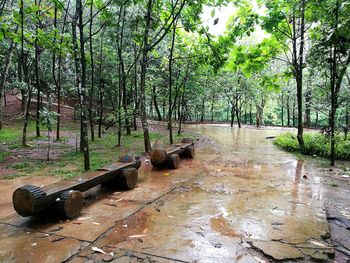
(145,231)
(84,218)
(259,259)
(318,243)
(96,249)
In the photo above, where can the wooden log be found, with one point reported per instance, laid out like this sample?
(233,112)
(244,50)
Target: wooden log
(69,204)
(173,161)
(187,140)
(170,157)
(128,180)
(158,156)
(189,152)
(28,200)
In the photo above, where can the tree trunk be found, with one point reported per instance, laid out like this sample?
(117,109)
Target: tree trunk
(203,110)
(282,109)
(238,113)
(92,89)
(232,114)
(154,95)
(170,111)
(3,78)
(37,78)
(144,62)
(288,110)
(298,61)
(307,108)
(100,91)
(136,98)
(250,115)
(84,132)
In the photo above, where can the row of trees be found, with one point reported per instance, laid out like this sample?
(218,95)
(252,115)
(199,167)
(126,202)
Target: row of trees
(123,60)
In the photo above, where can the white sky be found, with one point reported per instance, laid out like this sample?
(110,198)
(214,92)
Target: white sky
(224,13)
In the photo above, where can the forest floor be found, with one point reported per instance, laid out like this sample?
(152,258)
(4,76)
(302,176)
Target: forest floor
(240,200)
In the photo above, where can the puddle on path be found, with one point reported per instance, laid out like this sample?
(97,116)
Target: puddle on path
(250,194)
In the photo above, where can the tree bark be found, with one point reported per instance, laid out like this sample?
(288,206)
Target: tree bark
(92,89)
(170,111)
(144,62)
(154,95)
(3,79)
(84,132)
(37,78)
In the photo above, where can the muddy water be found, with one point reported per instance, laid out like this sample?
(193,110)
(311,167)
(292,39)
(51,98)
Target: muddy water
(245,201)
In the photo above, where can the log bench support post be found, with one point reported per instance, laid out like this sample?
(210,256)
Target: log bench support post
(170,158)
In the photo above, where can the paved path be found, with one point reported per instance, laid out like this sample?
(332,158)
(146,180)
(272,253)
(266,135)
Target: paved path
(240,200)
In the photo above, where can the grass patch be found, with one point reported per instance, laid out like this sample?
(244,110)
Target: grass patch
(103,152)
(315,144)
(9,135)
(3,155)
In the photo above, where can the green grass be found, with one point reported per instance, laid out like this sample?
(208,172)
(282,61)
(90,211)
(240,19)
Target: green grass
(9,135)
(315,144)
(3,155)
(103,151)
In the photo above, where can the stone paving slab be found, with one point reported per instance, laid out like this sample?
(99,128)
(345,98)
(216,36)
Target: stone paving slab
(22,245)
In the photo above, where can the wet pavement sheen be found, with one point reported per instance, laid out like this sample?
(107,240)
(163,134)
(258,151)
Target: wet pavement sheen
(240,200)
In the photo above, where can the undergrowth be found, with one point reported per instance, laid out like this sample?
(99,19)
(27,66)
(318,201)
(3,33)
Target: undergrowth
(315,144)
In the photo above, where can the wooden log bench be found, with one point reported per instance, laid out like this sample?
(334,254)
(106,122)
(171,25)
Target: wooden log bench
(66,198)
(170,157)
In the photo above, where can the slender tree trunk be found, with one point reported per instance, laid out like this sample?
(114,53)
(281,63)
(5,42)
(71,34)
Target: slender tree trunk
(144,62)
(293,113)
(3,79)
(170,111)
(237,113)
(288,110)
(307,108)
(136,99)
(298,61)
(232,113)
(84,132)
(92,89)
(282,109)
(119,116)
(123,73)
(203,110)
(101,88)
(37,78)
(250,115)
(154,95)
(212,108)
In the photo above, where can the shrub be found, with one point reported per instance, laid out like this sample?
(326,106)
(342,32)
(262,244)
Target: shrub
(315,143)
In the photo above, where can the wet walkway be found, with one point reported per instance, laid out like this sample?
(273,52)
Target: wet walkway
(240,200)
